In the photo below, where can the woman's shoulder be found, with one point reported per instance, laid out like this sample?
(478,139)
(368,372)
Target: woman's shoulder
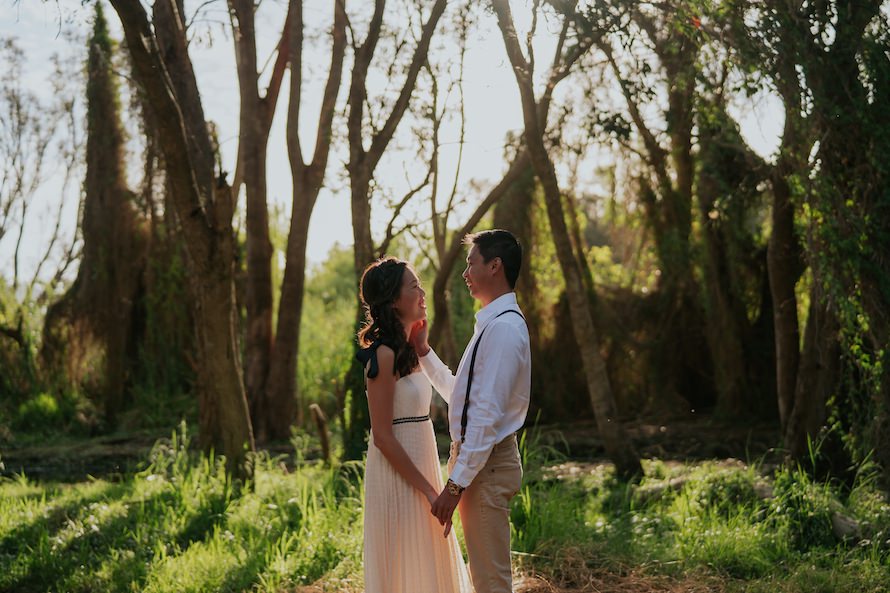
(376,356)
(385,353)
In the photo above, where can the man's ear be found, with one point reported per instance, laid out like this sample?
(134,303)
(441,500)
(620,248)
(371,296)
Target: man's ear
(496,264)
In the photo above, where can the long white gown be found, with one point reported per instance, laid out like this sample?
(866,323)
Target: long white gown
(404,549)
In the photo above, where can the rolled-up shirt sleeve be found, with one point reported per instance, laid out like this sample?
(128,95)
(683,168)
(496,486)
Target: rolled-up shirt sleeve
(493,378)
(438,373)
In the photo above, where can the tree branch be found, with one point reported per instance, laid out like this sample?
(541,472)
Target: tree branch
(382,139)
(656,154)
(155,79)
(329,99)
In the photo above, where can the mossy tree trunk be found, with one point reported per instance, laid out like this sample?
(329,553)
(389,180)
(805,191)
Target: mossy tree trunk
(204,208)
(99,308)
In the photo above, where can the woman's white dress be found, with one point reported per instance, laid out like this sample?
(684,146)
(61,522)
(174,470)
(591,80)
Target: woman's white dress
(405,551)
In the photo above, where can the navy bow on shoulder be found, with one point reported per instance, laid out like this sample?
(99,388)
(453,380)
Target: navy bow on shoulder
(370,354)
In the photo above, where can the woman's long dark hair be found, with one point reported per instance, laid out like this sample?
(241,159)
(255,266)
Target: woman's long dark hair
(381,285)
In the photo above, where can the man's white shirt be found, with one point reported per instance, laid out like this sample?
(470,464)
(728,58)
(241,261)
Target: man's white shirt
(501,386)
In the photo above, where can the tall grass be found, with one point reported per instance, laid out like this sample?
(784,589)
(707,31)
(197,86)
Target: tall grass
(721,519)
(179,526)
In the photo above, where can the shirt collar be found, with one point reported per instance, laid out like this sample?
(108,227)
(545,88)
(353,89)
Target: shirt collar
(495,307)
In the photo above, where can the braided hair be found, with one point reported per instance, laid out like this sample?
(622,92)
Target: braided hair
(380,287)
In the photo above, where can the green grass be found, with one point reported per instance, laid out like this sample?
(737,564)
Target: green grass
(718,522)
(179,526)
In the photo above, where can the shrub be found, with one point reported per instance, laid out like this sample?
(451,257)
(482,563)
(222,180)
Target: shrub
(802,509)
(40,413)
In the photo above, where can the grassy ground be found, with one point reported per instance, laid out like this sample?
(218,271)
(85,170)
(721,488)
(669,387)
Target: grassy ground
(178,526)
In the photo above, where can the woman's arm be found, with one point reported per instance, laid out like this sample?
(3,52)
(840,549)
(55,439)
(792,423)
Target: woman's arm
(381,391)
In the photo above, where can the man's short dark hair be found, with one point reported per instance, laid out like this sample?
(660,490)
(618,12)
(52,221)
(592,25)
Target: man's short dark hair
(502,244)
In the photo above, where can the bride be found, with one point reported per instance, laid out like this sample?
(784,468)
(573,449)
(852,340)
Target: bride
(404,547)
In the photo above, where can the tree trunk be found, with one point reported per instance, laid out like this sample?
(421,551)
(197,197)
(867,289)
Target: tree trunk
(359,420)
(362,164)
(724,335)
(224,420)
(115,240)
(205,219)
(170,42)
(442,332)
(783,258)
(101,300)
(514,212)
(252,146)
(818,376)
(726,178)
(307,181)
(282,386)
(618,446)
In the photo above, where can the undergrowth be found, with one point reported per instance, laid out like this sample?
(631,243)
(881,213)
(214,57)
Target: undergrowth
(179,526)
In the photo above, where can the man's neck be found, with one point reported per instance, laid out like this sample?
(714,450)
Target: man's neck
(488,299)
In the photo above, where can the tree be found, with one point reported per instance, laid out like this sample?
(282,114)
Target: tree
(362,164)
(99,307)
(772,50)
(33,134)
(848,78)
(282,389)
(203,208)
(450,247)
(819,59)
(255,124)
(649,49)
(617,443)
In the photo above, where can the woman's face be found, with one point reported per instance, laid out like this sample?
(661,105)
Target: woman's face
(410,306)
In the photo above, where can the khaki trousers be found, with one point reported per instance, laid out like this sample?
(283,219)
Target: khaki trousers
(485,516)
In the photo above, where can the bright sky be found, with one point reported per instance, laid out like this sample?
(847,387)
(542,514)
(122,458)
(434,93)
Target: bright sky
(492,108)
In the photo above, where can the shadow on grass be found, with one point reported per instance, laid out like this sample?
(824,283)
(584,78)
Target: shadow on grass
(209,516)
(558,524)
(73,567)
(23,535)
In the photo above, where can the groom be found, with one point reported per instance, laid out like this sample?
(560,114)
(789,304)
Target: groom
(488,401)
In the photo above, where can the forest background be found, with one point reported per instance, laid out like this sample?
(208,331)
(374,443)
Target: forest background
(701,187)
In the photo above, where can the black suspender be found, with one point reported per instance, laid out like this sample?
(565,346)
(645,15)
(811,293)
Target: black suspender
(463,415)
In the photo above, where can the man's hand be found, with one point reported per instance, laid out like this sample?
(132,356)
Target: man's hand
(443,509)
(418,337)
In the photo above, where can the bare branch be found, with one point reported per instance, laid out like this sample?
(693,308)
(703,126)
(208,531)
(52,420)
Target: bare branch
(519,166)
(382,139)
(529,39)
(390,234)
(331,90)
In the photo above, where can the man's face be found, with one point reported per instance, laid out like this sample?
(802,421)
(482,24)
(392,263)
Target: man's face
(478,275)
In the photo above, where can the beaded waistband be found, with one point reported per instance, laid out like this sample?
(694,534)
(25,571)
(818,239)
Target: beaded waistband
(407,419)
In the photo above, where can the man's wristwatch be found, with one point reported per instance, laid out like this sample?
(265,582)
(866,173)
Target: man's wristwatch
(453,489)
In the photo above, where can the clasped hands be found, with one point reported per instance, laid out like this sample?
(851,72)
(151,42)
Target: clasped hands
(442,508)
